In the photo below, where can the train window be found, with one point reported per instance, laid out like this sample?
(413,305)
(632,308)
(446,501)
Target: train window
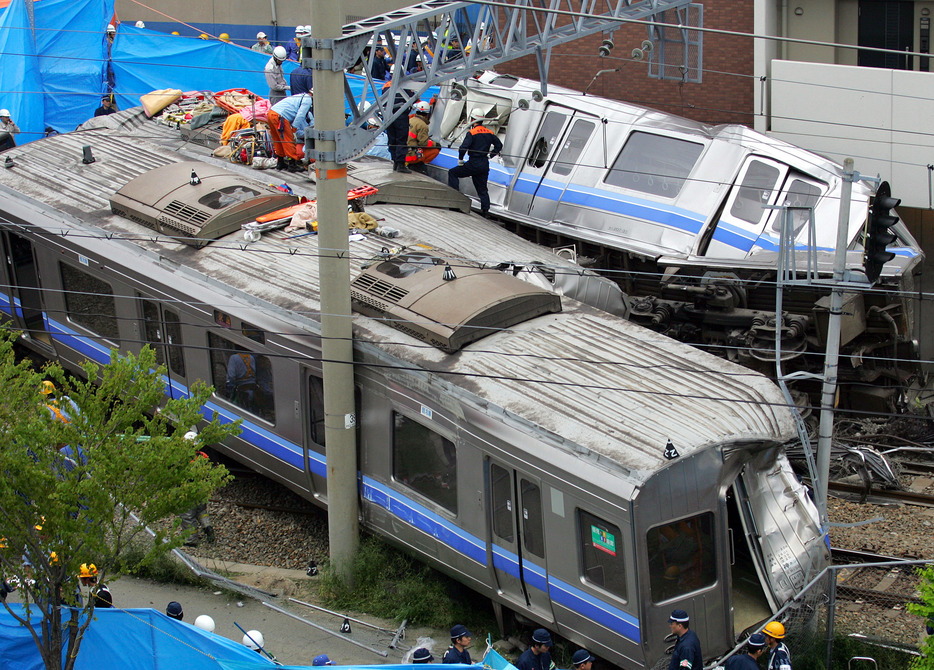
(424,461)
(253,332)
(90,302)
(316,409)
(533,533)
(573,147)
(601,553)
(501,493)
(544,144)
(755,191)
(164,333)
(242,376)
(799,194)
(681,557)
(654,164)
(221,319)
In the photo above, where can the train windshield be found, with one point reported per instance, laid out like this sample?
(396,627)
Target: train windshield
(654,164)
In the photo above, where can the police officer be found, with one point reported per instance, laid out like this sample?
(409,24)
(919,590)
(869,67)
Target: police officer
(779,656)
(537,656)
(687,654)
(755,647)
(422,655)
(174,611)
(480,145)
(460,640)
(582,660)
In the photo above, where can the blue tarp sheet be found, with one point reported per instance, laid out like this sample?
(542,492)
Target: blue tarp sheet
(134,639)
(20,83)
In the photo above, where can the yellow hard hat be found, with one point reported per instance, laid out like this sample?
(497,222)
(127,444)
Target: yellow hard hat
(53,558)
(774,629)
(46,388)
(203,36)
(175,32)
(87,570)
(224,37)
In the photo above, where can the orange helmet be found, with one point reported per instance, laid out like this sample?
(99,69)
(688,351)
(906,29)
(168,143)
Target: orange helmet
(87,570)
(774,629)
(46,388)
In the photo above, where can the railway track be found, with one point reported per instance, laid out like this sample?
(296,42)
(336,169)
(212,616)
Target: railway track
(883,495)
(873,585)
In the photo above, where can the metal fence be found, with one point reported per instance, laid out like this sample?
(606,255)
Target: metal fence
(855,617)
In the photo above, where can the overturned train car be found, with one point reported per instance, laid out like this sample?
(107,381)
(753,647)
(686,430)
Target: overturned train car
(687,219)
(578,469)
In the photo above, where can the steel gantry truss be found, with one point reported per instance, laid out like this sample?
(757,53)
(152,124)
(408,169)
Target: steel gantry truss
(438,34)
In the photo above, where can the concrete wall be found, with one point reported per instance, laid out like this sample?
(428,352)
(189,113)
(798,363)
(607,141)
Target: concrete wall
(877,117)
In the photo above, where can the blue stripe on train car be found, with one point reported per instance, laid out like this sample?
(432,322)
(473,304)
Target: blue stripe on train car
(506,561)
(425,520)
(534,575)
(84,345)
(596,610)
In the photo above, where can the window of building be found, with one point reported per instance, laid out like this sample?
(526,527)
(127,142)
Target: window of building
(681,556)
(654,164)
(424,461)
(574,145)
(90,302)
(242,376)
(602,558)
(755,191)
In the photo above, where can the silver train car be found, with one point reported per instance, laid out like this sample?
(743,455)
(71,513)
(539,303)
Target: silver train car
(580,470)
(684,217)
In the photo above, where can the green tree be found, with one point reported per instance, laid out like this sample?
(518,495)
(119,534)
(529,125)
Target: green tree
(133,459)
(925,610)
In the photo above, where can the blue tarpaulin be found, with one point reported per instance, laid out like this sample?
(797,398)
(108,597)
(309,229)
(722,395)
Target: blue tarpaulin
(134,639)
(21,89)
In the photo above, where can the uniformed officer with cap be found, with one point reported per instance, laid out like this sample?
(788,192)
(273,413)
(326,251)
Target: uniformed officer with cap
(460,641)
(582,660)
(537,656)
(755,647)
(174,610)
(422,655)
(687,654)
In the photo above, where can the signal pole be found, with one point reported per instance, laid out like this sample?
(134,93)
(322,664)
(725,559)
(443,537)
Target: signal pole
(336,326)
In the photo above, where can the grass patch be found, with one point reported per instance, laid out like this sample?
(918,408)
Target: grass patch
(813,655)
(393,585)
(164,568)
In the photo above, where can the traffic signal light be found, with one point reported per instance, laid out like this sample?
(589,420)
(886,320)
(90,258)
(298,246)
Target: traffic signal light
(878,234)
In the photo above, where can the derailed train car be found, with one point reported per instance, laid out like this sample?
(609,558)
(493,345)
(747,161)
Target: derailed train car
(687,218)
(578,469)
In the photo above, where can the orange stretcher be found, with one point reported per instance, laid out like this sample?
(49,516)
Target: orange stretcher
(288,212)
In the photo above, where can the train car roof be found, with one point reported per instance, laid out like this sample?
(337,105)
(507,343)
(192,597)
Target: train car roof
(594,383)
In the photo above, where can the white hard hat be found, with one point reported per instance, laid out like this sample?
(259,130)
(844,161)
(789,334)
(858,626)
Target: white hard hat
(254,640)
(422,107)
(477,114)
(373,121)
(307,29)
(204,622)
(299,30)
(260,35)
(5,112)
(140,24)
(111,28)
(279,53)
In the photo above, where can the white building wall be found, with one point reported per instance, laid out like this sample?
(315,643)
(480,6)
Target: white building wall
(880,118)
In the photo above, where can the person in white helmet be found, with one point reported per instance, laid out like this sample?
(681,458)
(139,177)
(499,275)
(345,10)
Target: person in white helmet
(7,130)
(294,47)
(278,88)
(111,32)
(262,43)
(140,24)
(421,149)
(253,639)
(205,623)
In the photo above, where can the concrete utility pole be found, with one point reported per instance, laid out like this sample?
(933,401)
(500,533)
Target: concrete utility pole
(336,326)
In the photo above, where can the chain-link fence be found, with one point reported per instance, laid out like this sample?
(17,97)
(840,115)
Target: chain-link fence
(855,617)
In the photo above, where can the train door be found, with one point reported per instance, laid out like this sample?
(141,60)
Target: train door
(553,187)
(517,538)
(25,292)
(313,440)
(746,212)
(163,330)
(544,147)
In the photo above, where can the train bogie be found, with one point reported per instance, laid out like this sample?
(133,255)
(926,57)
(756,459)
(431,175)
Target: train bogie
(581,471)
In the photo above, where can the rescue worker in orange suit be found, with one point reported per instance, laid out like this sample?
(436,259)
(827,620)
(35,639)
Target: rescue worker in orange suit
(421,149)
(481,144)
(288,120)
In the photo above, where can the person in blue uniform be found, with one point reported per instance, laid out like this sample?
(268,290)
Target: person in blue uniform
(460,641)
(779,656)
(582,660)
(422,655)
(480,144)
(537,656)
(755,647)
(687,654)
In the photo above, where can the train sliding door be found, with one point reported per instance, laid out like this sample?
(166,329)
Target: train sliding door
(517,538)
(162,329)
(530,181)
(25,292)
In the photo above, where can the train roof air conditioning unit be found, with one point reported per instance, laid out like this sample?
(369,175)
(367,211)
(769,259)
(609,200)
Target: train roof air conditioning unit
(195,202)
(447,303)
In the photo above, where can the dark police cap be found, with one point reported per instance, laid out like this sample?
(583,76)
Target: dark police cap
(460,630)
(422,655)
(174,610)
(541,636)
(581,656)
(679,616)
(756,640)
